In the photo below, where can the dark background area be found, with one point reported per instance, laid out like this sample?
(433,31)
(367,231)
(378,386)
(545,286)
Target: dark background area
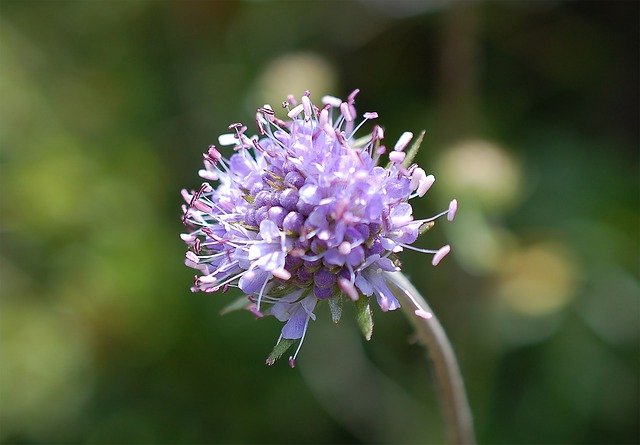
(531,112)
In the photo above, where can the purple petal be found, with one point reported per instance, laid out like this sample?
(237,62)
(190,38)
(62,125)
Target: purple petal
(309,305)
(374,207)
(241,165)
(269,231)
(401,214)
(310,193)
(271,261)
(295,327)
(332,256)
(364,285)
(386,264)
(356,257)
(252,281)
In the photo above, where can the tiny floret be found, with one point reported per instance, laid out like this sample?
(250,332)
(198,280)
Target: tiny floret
(306,211)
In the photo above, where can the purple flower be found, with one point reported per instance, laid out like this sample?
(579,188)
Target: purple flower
(305,212)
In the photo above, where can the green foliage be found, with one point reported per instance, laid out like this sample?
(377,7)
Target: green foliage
(236,305)
(280,348)
(335,307)
(364,317)
(413,150)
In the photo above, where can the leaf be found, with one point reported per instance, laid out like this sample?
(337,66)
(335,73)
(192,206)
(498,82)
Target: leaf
(335,306)
(364,317)
(413,151)
(236,305)
(279,349)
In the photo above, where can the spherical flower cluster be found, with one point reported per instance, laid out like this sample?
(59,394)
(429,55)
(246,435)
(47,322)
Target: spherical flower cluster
(304,213)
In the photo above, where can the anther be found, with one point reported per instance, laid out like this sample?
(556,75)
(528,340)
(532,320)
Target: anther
(453,208)
(440,254)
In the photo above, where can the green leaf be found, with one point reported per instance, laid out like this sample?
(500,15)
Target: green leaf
(413,151)
(236,305)
(279,349)
(364,317)
(335,306)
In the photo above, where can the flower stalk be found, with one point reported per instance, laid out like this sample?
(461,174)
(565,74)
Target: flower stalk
(455,406)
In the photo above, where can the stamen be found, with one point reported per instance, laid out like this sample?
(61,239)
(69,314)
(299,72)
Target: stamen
(292,360)
(295,111)
(261,292)
(403,141)
(331,100)
(227,139)
(348,288)
(281,273)
(453,208)
(397,156)
(423,314)
(346,112)
(440,254)
(306,103)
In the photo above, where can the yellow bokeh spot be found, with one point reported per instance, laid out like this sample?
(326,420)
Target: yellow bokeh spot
(538,280)
(482,171)
(293,74)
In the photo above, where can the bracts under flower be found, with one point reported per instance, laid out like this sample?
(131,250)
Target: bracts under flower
(305,212)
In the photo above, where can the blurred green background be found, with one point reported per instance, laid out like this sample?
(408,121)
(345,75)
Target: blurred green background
(531,112)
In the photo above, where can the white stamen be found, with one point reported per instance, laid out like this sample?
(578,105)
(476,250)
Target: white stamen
(346,112)
(208,175)
(423,314)
(348,288)
(207,279)
(192,257)
(440,254)
(397,156)
(227,139)
(186,195)
(324,118)
(262,292)
(453,208)
(306,103)
(417,175)
(425,185)
(281,273)
(292,360)
(187,237)
(295,111)
(331,100)
(344,248)
(403,141)
(199,205)
(329,130)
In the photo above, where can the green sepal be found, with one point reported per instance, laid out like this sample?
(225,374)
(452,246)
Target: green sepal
(335,306)
(279,349)
(236,305)
(361,141)
(247,197)
(426,226)
(364,317)
(413,151)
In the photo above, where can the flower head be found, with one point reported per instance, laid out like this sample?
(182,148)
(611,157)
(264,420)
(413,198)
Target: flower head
(305,212)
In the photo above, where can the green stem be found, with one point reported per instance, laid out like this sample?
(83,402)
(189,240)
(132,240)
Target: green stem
(455,406)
